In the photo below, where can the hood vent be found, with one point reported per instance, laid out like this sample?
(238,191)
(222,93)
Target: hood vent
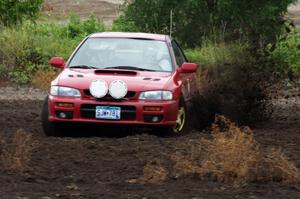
(115,72)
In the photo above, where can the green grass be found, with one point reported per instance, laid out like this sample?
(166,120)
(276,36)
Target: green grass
(27,48)
(286,54)
(212,54)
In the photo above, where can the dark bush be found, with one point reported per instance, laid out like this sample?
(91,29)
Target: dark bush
(16,11)
(76,27)
(286,55)
(122,24)
(256,21)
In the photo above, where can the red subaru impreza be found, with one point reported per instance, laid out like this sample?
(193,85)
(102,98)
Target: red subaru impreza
(122,79)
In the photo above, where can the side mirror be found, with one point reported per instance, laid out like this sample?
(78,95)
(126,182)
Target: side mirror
(188,68)
(57,62)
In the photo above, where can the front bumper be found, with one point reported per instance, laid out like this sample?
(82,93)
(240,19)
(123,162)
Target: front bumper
(132,111)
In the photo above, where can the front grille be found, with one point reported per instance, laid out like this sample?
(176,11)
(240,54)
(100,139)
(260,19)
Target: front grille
(108,97)
(88,111)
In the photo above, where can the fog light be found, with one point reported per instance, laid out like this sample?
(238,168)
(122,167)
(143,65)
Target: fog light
(62,115)
(155,119)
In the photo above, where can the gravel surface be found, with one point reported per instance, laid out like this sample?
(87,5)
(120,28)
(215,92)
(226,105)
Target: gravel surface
(22,93)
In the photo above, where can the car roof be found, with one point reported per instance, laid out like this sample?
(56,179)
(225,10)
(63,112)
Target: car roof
(130,35)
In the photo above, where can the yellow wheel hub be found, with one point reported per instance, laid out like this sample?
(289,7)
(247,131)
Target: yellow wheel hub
(180,122)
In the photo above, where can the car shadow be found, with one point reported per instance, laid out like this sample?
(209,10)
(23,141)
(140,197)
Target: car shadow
(106,131)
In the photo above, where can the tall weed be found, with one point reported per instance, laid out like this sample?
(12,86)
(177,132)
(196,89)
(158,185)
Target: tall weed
(230,155)
(153,173)
(212,54)
(233,156)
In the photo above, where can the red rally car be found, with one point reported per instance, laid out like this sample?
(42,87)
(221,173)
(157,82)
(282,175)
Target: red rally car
(134,79)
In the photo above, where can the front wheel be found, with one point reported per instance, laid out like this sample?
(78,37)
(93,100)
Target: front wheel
(49,128)
(182,123)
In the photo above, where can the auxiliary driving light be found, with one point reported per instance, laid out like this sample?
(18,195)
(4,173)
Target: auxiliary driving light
(99,88)
(118,89)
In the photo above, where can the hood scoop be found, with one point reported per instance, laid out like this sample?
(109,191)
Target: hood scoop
(115,72)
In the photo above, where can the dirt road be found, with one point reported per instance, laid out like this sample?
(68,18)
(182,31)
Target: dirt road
(98,164)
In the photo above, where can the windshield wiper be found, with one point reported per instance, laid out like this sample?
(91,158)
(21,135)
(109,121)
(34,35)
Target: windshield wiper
(129,68)
(83,67)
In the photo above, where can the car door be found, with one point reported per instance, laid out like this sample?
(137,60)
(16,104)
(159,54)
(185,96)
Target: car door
(189,84)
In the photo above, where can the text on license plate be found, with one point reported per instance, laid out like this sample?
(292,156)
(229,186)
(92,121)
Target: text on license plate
(108,112)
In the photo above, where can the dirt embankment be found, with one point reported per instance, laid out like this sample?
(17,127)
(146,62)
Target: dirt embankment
(108,10)
(294,14)
(96,163)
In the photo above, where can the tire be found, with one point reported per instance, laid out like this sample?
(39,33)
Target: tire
(182,126)
(49,128)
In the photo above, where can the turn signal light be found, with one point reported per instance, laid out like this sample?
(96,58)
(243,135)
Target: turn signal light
(152,108)
(65,105)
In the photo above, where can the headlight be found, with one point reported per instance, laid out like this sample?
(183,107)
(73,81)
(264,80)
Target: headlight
(156,95)
(64,91)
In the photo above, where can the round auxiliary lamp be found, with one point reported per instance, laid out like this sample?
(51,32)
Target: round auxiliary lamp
(118,89)
(98,88)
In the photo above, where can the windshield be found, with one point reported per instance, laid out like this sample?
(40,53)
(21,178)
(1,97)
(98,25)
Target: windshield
(123,53)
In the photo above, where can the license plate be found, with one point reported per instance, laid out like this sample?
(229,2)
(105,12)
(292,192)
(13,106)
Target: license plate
(108,112)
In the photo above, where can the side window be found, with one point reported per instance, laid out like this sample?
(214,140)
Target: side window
(180,58)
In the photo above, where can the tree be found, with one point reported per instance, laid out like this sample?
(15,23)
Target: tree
(15,11)
(255,20)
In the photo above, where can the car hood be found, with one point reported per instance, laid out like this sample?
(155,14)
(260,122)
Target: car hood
(135,80)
